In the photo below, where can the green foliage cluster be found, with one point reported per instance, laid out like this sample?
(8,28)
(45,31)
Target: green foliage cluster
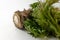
(44,20)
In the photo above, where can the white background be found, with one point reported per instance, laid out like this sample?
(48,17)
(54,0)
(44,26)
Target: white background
(7,29)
